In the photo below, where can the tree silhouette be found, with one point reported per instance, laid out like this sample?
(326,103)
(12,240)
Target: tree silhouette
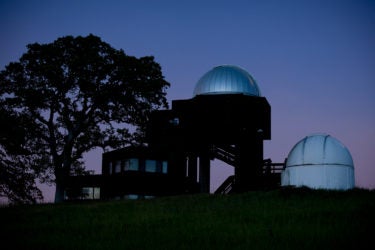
(17,175)
(76,94)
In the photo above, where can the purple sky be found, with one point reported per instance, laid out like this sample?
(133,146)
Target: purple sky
(314,61)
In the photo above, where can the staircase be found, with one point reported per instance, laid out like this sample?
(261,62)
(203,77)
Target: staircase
(227,153)
(226,187)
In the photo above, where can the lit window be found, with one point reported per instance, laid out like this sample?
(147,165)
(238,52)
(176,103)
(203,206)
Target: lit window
(131,196)
(131,164)
(175,121)
(165,167)
(96,193)
(90,193)
(118,167)
(86,193)
(151,166)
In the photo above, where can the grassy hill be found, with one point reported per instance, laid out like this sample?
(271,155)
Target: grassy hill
(278,219)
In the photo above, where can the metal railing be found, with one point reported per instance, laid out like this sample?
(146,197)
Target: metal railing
(226,187)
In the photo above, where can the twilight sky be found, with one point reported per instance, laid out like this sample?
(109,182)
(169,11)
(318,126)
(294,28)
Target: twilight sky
(314,61)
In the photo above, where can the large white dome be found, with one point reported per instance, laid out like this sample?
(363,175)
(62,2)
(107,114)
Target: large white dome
(319,161)
(227,79)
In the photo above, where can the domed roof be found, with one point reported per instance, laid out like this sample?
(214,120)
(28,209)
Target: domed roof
(319,149)
(226,79)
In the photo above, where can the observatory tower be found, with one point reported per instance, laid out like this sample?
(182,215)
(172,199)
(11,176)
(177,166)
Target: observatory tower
(226,119)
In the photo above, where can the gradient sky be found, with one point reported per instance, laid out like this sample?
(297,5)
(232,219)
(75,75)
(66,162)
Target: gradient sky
(314,61)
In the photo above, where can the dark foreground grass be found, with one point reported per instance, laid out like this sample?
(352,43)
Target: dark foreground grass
(281,219)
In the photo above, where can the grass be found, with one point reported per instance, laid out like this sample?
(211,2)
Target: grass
(278,219)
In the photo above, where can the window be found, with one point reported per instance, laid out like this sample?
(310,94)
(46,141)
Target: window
(86,193)
(118,167)
(131,196)
(131,164)
(151,166)
(164,167)
(110,168)
(138,197)
(90,193)
(96,193)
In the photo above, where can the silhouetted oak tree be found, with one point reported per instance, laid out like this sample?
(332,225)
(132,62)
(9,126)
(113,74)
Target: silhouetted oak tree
(17,175)
(76,94)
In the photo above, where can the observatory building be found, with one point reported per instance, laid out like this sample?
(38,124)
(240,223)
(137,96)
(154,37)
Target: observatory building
(226,119)
(321,162)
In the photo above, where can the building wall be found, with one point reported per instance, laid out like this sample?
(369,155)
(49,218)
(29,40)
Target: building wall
(337,177)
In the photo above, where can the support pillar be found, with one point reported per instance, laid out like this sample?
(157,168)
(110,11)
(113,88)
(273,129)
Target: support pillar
(192,167)
(177,170)
(248,172)
(204,171)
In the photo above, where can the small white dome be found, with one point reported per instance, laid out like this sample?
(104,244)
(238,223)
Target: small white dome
(319,161)
(319,149)
(227,79)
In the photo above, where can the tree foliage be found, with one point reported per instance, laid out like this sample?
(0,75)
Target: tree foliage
(17,173)
(76,94)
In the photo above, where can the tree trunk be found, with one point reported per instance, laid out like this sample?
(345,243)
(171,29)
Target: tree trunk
(59,193)
(60,176)
(62,171)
